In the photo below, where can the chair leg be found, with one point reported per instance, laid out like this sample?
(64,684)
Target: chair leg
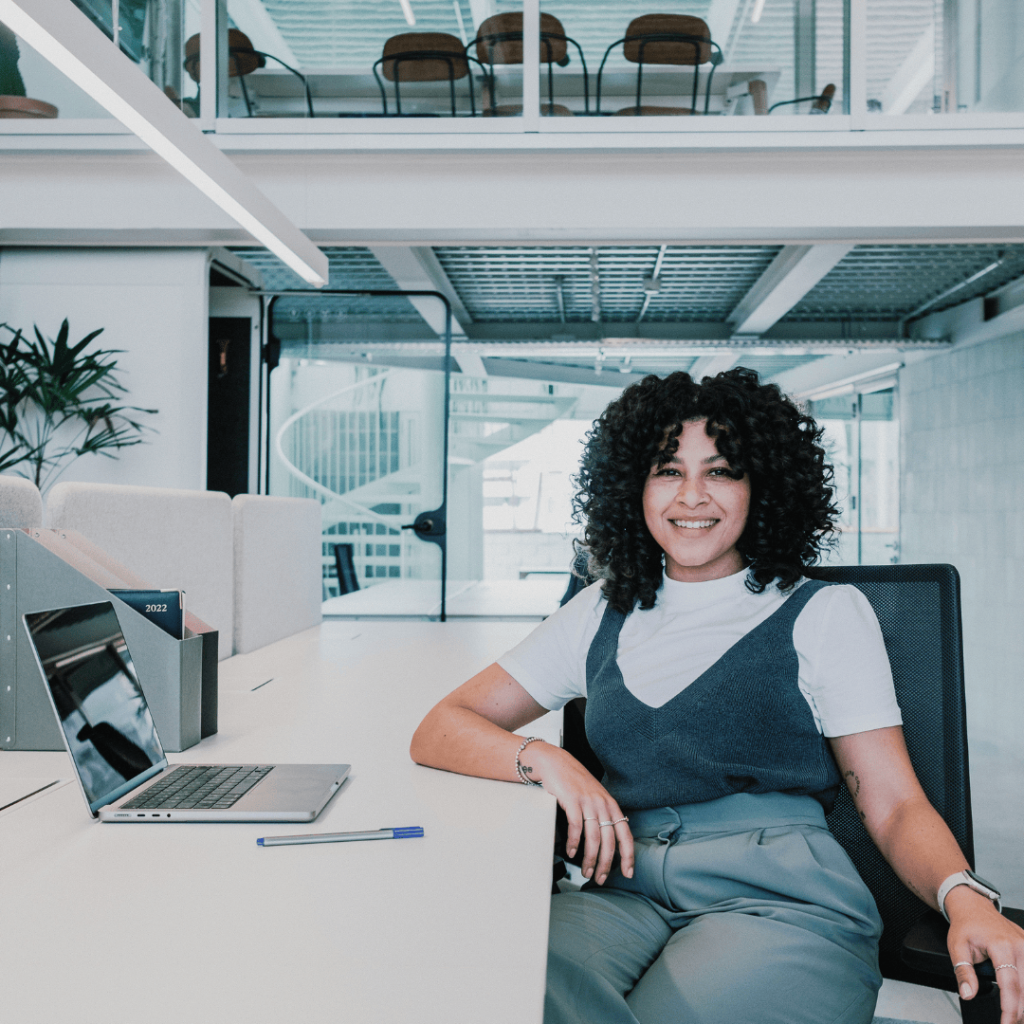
(983,1008)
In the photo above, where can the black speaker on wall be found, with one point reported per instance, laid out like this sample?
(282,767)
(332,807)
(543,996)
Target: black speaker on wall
(227,437)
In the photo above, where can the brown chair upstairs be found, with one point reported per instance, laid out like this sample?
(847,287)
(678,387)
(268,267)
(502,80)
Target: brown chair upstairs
(677,39)
(499,40)
(424,57)
(242,60)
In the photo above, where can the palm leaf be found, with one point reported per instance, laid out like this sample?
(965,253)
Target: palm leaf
(47,385)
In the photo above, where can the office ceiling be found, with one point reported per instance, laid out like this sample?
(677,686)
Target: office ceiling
(607,321)
(697,284)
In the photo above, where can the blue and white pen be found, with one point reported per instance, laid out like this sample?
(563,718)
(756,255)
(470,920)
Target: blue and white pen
(412,832)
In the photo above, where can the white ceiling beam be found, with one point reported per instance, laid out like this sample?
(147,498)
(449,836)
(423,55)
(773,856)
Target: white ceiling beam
(72,43)
(416,268)
(789,277)
(708,366)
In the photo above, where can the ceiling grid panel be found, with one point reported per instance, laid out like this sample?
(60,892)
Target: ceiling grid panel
(886,282)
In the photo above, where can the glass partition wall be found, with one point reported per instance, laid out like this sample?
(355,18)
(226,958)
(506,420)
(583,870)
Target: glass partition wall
(418,65)
(945,56)
(701,58)
(159,35)
(441,493)
(368,442)
(862,442)
(371,58)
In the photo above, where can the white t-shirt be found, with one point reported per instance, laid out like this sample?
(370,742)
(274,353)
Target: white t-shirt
(844,672)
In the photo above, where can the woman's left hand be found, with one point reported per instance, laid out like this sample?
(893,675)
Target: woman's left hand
(977,931)
(920,848)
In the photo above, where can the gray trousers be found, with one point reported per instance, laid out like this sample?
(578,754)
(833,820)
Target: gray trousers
(743,910)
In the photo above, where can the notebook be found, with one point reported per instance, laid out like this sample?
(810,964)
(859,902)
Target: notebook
(109,732)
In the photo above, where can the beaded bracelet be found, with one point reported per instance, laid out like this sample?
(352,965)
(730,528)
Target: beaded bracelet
(520,771)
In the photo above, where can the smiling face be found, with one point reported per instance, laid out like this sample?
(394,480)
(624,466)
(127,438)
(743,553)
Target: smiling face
(696,510)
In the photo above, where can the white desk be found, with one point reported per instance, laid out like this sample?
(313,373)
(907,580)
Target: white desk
(195,923)
(534,599)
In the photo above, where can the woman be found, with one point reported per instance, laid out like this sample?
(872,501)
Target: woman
(728,699)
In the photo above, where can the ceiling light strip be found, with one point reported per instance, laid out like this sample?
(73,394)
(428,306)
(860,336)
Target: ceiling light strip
(65,37)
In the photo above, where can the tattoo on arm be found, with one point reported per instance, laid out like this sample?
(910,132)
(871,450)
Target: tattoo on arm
(855,784)
(917,892)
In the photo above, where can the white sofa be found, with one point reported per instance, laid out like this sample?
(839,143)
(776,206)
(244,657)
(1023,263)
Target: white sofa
(170,538)
(278,589)
(21,504)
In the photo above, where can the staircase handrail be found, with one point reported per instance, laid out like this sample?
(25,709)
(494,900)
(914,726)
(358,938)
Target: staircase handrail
(315,485)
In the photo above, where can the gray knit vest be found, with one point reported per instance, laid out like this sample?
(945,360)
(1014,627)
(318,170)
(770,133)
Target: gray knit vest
(741,726)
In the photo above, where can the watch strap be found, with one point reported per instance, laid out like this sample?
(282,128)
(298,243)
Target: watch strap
(966,878)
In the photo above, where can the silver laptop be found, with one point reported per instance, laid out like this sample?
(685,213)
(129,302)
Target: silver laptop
(109,732)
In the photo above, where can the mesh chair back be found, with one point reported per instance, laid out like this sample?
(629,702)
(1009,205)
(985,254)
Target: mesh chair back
(918,608)
(424,57)
(348,579)
(499,40)
(640,48)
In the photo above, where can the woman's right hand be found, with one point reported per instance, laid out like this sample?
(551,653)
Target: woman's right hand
(586,804)
(474,731)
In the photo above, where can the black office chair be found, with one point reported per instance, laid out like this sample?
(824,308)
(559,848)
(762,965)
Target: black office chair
(918,608)
(348,580)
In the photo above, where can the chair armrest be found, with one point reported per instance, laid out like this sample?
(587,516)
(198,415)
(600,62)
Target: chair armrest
(924,947)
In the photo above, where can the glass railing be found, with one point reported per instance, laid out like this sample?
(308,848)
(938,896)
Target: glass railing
(31,88)
(955,57)
(397,59)
(154,34)
(707,58)
(408,63)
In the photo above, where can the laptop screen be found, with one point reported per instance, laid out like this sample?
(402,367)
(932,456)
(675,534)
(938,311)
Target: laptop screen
(106,721)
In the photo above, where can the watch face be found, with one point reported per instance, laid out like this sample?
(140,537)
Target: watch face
(981,881)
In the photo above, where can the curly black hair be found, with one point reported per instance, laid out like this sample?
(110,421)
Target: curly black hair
(759,431)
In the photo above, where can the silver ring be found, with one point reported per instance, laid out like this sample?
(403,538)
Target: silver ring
(1013,967)
(617,820)
(603,823)
(591,818)
(963,963)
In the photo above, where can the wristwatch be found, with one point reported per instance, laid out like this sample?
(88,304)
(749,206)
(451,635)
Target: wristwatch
(973,881)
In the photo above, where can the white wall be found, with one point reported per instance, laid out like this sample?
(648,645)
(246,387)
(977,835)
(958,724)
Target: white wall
(962,495)
(152,303)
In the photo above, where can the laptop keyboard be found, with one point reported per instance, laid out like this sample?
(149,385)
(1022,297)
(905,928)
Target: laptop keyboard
(201,787)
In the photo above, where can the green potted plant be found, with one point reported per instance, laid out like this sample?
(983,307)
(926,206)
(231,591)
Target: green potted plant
(13,101)
(59,402)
